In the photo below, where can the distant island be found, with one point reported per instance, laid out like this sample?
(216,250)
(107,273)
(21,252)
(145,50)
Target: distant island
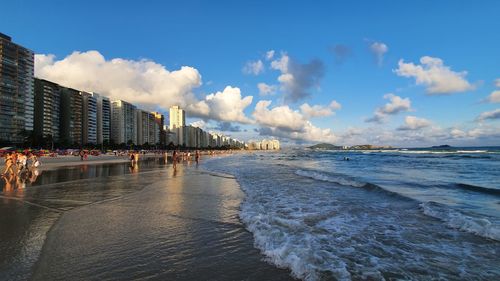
(441,146)
(328,146)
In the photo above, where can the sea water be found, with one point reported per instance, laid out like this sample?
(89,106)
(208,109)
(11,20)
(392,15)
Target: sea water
(386,214)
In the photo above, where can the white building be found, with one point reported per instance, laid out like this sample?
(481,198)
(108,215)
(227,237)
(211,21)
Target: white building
(177,117)
(123,122)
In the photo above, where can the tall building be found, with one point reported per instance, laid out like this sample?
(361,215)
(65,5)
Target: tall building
(103,119)
(146,128)
(16,90)
(123,122)
(161,138)
(71,116)
(89,118)
(47,110)
(177,117)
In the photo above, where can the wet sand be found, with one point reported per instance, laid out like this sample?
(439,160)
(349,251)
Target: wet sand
(148,222)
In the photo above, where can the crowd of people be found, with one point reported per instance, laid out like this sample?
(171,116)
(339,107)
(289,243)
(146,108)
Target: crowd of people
(19,168)
(17,163)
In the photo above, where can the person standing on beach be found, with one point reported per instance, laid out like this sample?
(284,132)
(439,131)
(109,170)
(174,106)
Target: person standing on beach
(197,156)
(81,155)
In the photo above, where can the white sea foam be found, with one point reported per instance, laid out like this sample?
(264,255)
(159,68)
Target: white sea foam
(454,219)
(320,232)
(342,180)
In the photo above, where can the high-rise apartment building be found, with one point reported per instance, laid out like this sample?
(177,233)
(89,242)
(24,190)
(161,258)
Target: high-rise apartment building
(47,110)
(177,117)
(16,90)
(89,118)
(103,119)
(159,128)
(123,122)
(71,116)
(147,129)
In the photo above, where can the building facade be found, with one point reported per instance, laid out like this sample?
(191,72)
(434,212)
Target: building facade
(123,122)
(16,90)
(177,117)
(47,110)
(147,130)
(89,118)
(103,119)
(71,117)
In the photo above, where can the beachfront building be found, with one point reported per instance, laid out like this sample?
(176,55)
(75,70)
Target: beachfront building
(103,119)
(16,90)
(177,117)
(89,118)
(71,116)
(264,145)
(47,110)
(148,131)
(160,128)
(123,122)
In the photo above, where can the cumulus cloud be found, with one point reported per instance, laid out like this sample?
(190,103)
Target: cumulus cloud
(494,97)
(199,124)
(227,105)
(265,89)
(437,77)
(297,79)
(378,49)
(270,55)
(142,81)
(254,67)
(319,110)
(489,115)
(341,52)
(282,121)
(395,105)
(414,123)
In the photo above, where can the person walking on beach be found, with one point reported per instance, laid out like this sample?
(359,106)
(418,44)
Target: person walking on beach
(174,158)
(197,156)
(81,153)
(9,162)
(22,160)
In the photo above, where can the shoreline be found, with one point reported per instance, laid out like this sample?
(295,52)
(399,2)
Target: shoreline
(212,218)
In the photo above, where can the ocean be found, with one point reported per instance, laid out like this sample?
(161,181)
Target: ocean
(385,214)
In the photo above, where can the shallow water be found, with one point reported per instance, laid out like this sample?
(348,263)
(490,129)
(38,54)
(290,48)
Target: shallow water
(109,222)
(380,215)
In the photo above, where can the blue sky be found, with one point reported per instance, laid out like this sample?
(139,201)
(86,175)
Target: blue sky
(218,38)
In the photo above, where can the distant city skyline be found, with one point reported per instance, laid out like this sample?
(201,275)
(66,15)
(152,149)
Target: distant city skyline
(387,73)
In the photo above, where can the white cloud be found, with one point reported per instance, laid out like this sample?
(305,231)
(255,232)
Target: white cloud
(254,67)
(494,97)
(270,55)
(414,123)
(497,82)
(395,105)
(200,124)
(437,77)
(265,89)
(489,115)
(379,49)
(227,105)
(319,110)
(144,81)
(297,79)
(282,121)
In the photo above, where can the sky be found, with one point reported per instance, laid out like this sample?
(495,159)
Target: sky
(400,73)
